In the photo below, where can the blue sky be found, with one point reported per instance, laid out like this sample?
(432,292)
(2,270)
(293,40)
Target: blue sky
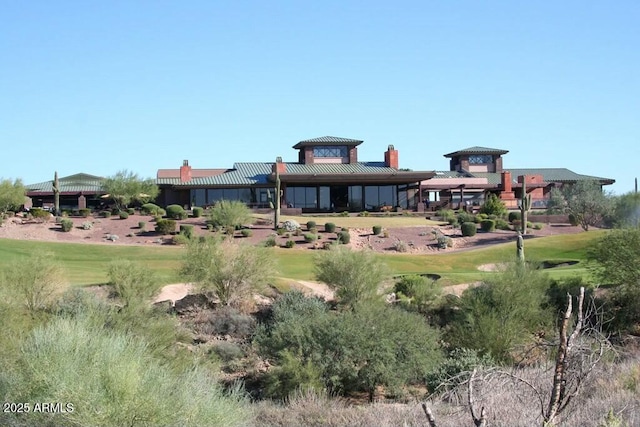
(99,86)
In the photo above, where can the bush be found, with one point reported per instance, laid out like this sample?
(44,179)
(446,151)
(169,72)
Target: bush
(180,239)
(105,214)
(270,242)
(142,225)
(150,209)
(573,220)
(311,224)
(377,229)
(330,227)
(186,230)
(289,244)
(131,211)
(39,213)
(84,212)
(488,225)
(165,226)
(230,215)
(313,230)
(400,246)
(514,215)
(176,212)
(123,215)
(290,225)
(87,225)
(502,224)
(494,206)
(461,360)
(228,321)
(529,224)
(344,213)
(344,237)
(197,211)
(115,211)
(469,229)
(135,283)
(246,232)
(447,215)
(310,237)
(465,217)
(280,231)
(537,226)
(227,351)
(66,224)
(364,213)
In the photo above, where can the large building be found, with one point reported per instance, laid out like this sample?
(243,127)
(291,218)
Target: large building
(329,177)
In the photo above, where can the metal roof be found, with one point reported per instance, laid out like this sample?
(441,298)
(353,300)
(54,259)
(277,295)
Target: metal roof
(338,168)
(477,150)
(328,140)
(548,175)
(77,183)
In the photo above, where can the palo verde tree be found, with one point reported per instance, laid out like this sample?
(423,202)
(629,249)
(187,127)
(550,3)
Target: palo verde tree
(12,194)
(355,275)
(626,211)
(126,187)
(586,201)
(226,270)
(229,214)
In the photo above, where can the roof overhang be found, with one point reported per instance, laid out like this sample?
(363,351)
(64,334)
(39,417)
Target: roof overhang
(370,178)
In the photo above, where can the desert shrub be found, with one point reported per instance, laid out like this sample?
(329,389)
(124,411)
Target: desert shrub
(469,228)
(227,351)
(270,242)
(377,229)
(330,227)
(85,213)
(197,211)
(385,233)
(115,211)
(142,225)
(105,214)
(363,213)
(488,225)
(502,224)
(460,361)
(123,215)
(447,215)
(230,215)
(228,321)
(66,224)
(529,224)
(133,282)
(39,213)
(151,209)
(311,224)
(280,231)
(87,225)
(573,220)
(180,239)
(400,246)
(494,206)
(165,226)
(187,230)
(313,230)
(290,225)
(453,221)
(292,375)
(417,293)
(289,244)
(131,211)
(344,213)
(298,232)
(513,215)
(344,237)
(176,212)
(465,217)
(538,226)
(444,241)
(310,237)
(246,232)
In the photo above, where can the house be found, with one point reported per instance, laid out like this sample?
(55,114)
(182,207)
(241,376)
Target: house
(77,191)
(328,177)
(477,171)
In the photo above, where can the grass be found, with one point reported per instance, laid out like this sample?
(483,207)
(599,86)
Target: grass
(85,264)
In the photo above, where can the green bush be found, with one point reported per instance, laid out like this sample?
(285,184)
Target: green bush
(197,211)
(290,244)
(460,361)
(344,237)
(133,282)
(227,321)
(66,224)
(344,213)
(292,375)
(246,232)
(165,226)
(400,246)
(150,209)
(311,224)
(180,239)
(364,213)
(494,206)
(280,231)
(465,217)
(488,225)
(529,224)
(131,211)
(310,237)
(377,229)
(87,225)
(176,212)
(270,242)
(186,230)
(123,215)
(115,211)
(469,229)
(313,230)
(573,220)
(447,215)
(330,227)
(84,212)
(502,224)
(514,215)
(538,226)
(105,214)
(39,213)
(227,351)
(142,225)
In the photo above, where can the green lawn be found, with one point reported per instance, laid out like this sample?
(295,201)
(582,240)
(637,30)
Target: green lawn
(86,264)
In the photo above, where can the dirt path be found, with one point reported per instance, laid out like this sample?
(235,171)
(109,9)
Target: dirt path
(318,289)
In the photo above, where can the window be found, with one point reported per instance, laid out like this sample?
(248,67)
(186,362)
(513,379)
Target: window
(329,151)
(480,159)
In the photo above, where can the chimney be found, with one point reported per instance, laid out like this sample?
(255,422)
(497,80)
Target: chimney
(391,157)
(185,171)
(279,165)
(506,182)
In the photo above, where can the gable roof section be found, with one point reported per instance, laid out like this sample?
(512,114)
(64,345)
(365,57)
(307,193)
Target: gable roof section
(241,174)
(77,183)
(477,150)
(195,173)
(328,140)
(549,175)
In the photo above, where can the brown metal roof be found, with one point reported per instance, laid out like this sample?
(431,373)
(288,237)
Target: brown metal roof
(195,173)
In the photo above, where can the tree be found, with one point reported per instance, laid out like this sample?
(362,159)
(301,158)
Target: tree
(230,214)
(356,275)
(586,201)
(126,187)
(12,195)
(226,270)
(556,204)
(626,211)
(34,280)
(494,206)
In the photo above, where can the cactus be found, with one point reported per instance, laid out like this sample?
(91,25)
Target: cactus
(56,194)
(274,202)
(520,248)
(525,205)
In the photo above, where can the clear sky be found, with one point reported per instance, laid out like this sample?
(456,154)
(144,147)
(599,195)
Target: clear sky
(98,86)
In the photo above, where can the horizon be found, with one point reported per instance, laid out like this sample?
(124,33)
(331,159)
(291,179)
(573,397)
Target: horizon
(142,86)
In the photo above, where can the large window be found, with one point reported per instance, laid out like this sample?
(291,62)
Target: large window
(383,195)
(480,159)
(203,197)
(330,151)
(355,198)
(302,197)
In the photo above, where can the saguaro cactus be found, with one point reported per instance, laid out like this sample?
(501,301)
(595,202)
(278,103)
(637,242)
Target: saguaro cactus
(525,206)
(274,202)
(56,194)
(520,248)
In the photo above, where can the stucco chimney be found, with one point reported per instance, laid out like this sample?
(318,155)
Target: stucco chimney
(391,157)
(506,181)
(185,171)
